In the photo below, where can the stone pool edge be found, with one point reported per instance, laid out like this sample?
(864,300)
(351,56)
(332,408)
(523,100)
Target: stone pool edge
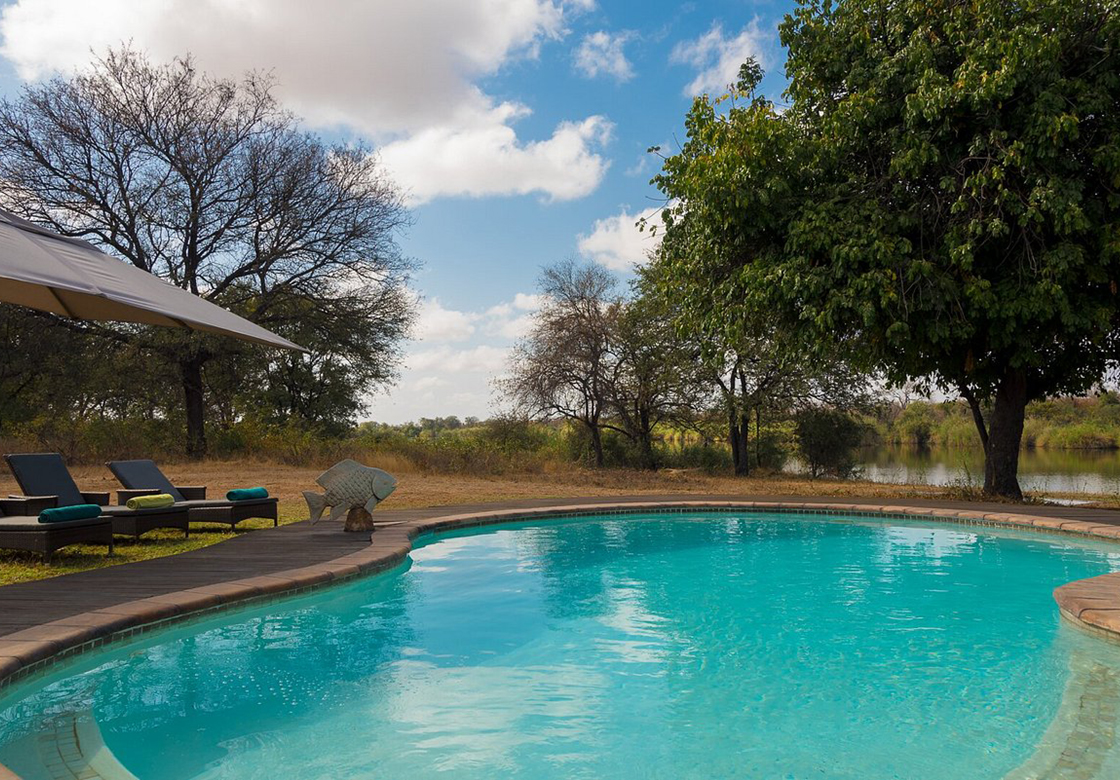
(1092,603)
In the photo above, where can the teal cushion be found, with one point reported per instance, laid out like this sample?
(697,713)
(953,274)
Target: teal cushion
(246,494)
(62,514)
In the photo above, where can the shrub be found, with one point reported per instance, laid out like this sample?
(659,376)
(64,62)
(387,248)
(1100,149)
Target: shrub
(828,441)
(709,457)
(1080,436)
(769,452)
(958,431)
(915,425)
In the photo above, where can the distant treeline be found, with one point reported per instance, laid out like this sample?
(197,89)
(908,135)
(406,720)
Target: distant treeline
(512,446)
(441,445)
(1091,423)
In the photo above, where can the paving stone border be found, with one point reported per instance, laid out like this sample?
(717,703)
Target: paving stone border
(1093,604)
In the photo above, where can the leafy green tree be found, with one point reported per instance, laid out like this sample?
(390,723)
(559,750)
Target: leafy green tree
(741,369)
(939,198)
(828,440)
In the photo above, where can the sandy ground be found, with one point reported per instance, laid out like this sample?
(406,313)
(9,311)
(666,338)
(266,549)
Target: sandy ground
(416,489)
(421,489)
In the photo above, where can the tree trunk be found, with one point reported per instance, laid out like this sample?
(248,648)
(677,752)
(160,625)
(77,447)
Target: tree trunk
(645,442)
(758,437)
(1005,434)
(977,414)
(646,460)
(597,444)
(745,441)
(733,440)
(740,444)
(195,404)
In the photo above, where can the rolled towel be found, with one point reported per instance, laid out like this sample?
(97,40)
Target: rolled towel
(246,494)
(157,501)
(61,514)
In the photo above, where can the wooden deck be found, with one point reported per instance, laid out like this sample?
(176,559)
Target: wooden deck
(267,551)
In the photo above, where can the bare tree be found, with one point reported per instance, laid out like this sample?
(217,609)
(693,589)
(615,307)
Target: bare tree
(209,184)
(651,376)
(563,367)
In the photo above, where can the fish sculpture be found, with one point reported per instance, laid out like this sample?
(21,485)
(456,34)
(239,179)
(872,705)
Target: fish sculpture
(349,484)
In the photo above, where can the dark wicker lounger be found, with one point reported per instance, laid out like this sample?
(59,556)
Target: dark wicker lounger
(143,477)
(20,528)
(45,475)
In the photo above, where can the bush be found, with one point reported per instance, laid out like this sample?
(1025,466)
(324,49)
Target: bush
(1079,436)
(769,452)
(958,431)
(915,425)
(828,441)
(708,457)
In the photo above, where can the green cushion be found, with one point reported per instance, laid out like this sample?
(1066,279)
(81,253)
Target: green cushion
(62,514)
(246,494)
(157,501)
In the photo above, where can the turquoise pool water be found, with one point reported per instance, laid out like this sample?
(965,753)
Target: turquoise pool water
(753,646)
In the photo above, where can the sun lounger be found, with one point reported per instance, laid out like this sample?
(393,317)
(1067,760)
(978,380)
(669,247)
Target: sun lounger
(45,474)
(141,477)
(21,529)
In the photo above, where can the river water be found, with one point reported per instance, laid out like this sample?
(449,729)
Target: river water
(1040,471)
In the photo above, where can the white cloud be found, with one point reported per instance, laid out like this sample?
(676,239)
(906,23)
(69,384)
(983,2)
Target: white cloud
(514,319)
(403,74)
(375,66)
(511,319)
(521,302)
(447,371)
(617,243)
(426,383)
(601,53)
(435,323)
(489,159)
(718,57)
(484,358)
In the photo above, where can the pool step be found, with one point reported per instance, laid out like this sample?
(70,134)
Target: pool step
(1080,743)
(72,749)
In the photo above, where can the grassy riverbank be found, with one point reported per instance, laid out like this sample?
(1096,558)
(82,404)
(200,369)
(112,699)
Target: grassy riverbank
(417,489)
(423,484)
(1056,424)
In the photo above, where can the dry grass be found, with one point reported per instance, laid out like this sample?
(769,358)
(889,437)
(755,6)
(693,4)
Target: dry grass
(415,490)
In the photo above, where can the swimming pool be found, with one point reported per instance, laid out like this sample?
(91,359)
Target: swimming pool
(706,645)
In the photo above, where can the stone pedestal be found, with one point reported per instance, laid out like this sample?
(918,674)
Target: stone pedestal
(358,519)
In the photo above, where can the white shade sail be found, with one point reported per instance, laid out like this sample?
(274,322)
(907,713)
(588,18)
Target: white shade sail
(43,270)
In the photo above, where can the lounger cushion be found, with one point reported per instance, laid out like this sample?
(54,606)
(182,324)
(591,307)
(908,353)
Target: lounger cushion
(22,523)
(61,514)
(143,475)
(124,511)
(216,503)
(154,501)
(44,474)
(246,494)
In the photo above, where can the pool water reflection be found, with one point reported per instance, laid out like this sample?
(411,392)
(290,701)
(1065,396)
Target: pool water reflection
(755,646)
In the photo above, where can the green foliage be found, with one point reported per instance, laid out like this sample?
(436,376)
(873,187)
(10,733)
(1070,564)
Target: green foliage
(1054,424)
(1080,436)
(770,450)
(915,425)
(939,197)
(828,441)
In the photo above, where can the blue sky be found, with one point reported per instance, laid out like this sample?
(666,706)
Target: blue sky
(519,128)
